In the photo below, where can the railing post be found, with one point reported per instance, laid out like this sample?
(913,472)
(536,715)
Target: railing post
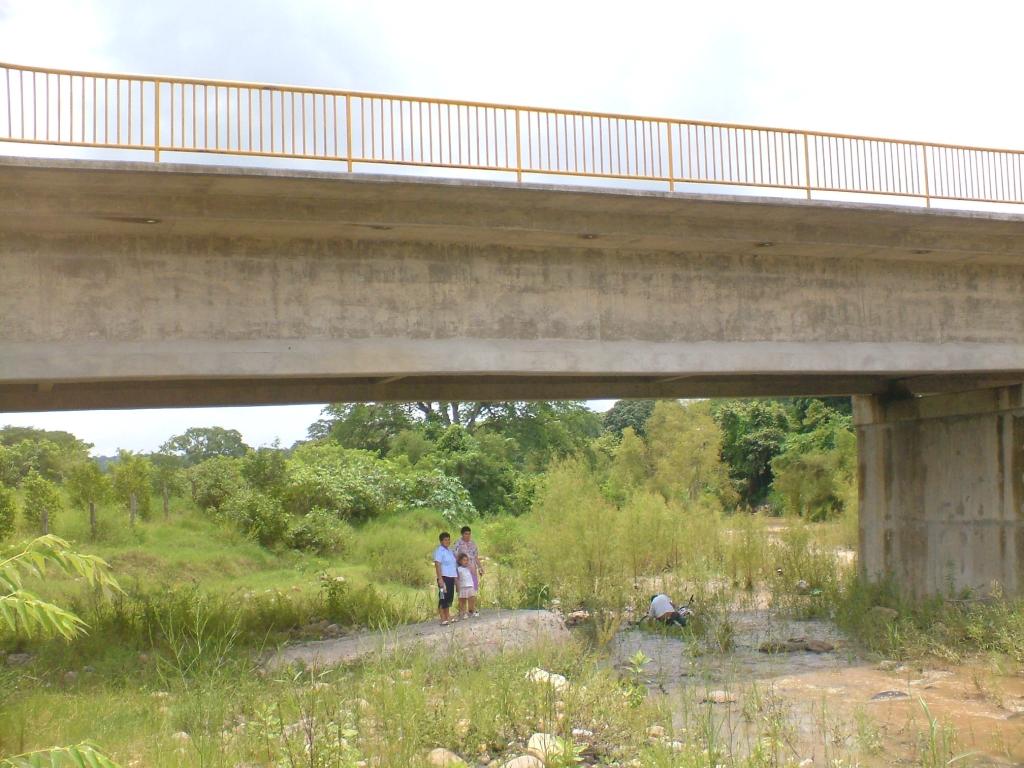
(927,190)
(519,151)
(807,168)
(671,161)
(348,129)
(156,122)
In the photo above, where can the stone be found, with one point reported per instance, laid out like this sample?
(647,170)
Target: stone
(70,677)
(888,665)
(884,614)
(576,618)
(462,727)
(890,696)
(676,746)
(582,733)
(802,587)
(819,646)
(444,758)
(545,746)
(160,695)
(181,737)
(333,630)
(18,659)
(656,732)
(524,761)
(538,675)
(718,697)
(781,646)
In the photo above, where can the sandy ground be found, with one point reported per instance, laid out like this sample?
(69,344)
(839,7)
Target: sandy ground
(493,631)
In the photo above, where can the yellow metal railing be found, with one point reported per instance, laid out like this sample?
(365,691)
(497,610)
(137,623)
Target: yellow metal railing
(172,114)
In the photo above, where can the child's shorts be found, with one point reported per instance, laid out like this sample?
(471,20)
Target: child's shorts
(465,592)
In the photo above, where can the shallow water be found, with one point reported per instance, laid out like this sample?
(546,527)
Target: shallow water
(820,707)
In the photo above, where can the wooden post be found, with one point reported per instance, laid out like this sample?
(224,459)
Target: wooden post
(46,521)
(92,518)
(167,502)
(133,508)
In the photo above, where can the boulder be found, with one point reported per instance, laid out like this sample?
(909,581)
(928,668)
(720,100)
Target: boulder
(718,697)
(782,646)
(545,746)
(538,675)
(656,732)
(890,696)
(444,758)
(524,761)
(884,614)
(819,646)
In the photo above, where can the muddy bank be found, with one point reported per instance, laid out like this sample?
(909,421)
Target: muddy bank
(493,632)
(833,705)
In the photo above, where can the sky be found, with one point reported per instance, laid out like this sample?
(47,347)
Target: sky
(935,71)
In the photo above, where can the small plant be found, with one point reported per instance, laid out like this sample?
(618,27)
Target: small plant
(80,755)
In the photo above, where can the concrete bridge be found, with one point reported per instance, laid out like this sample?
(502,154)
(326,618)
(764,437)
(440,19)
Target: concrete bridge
(137,285)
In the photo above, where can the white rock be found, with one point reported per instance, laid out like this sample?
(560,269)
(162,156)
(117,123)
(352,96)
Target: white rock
(656,732)
(545,746)
(524,761)
(718,697)
(582,733)
(181,737)
(538,675)
(444,758)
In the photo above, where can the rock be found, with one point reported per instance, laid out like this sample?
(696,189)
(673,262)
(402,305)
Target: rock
(819,646)
(802,587)
(332,629)
(160,695)
(405,674)
(538,675)
(884,614)
(523,761)
(582,733)
(576,618)
(718,697)
(781,646)
(676,746)
(444,758)
(888,665)
(462,727)
(181,737)
(70,677)
(807,762)
(656,732)
(545,746)
(890,696)
(18,659)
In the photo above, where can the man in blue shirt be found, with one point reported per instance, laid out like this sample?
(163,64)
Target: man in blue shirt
(445,568)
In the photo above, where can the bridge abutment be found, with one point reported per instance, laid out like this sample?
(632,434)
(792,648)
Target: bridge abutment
(942,490)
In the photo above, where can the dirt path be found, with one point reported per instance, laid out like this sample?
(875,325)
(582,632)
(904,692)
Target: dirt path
(492,632)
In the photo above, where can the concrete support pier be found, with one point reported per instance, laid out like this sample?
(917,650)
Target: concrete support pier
(942,491)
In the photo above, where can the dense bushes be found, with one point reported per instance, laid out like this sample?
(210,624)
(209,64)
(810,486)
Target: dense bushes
(258,515)
(321,532)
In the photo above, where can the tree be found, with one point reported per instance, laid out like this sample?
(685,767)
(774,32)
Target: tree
(201,443)
(215,480)
(167,477)
(753,433)
(684,443)
(131,477)
(22,613)
(629,413)
(630,467)
(87,486)
(365,426)
(265,469)
(42,501)
(8,512)
(49,452)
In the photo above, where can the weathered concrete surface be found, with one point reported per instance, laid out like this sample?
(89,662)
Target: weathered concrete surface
(128,285)
(942,490)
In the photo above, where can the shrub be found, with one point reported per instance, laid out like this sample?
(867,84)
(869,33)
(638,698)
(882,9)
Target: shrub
(320,531)
(436,490)
(258,515)
(354,485)
(42,501)
(214,481)
(8,510)
(395,553)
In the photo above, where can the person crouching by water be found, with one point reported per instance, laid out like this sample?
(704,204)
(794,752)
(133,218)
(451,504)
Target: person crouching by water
(445,568)
(664,611)
(467,592)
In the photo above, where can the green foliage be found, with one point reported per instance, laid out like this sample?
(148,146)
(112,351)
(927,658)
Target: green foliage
(21,612)
(8,512)
(214,481)
(630,467)
(42,501)
(395,553)
(259,516)
(411,444)
(265,469)
(84,755)
(321,532)
(86,484)
(433,489)
(131,476)
(753,433)
(364,426)
(48,452)
(199,444)
(685,445)
(353,485)
(480,464)
(629,413)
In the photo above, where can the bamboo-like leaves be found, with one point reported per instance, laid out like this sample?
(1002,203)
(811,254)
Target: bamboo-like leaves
(22,612)
(84,755)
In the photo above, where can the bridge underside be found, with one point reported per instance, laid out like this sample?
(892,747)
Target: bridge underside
(128,286)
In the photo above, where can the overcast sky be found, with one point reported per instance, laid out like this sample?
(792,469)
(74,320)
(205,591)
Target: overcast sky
(936,71)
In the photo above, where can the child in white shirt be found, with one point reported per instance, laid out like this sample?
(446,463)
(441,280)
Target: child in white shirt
(467,592)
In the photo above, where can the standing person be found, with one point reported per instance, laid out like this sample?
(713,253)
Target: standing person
(467,592)
(466,546)
(445,568)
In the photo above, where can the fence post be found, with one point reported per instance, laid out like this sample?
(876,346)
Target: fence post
(519,151)
(807,168)
(927,190)
(348,129)
(156,123)
(671,160)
